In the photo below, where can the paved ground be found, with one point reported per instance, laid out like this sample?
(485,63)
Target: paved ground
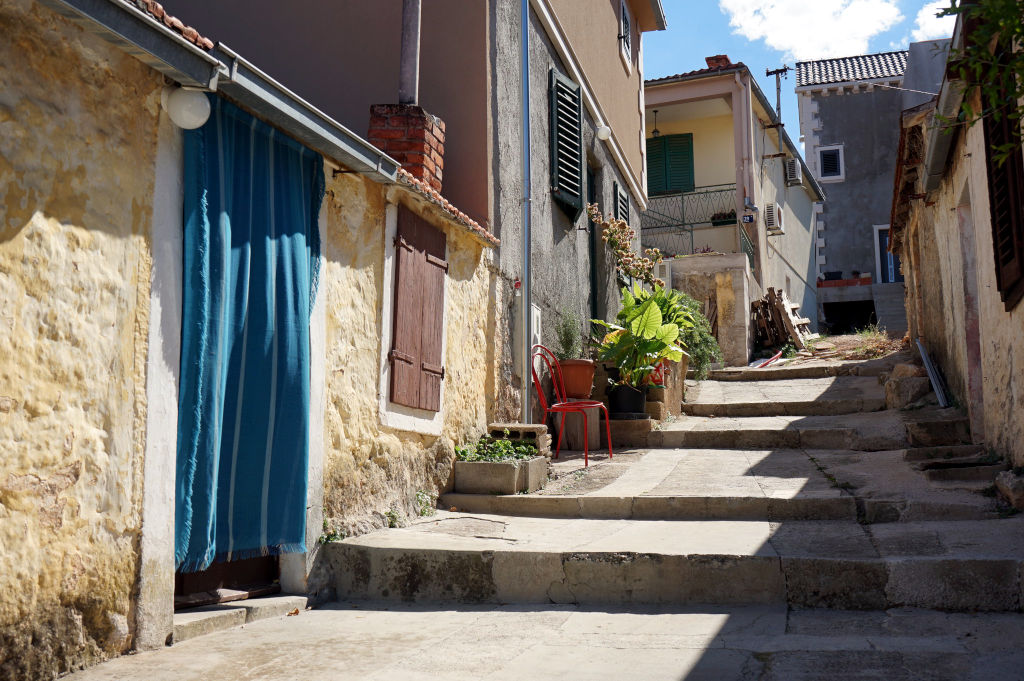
(462,643)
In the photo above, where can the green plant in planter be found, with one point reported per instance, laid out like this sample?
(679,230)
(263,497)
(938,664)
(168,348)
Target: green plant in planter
(488,448)
(568,333)
(639,341)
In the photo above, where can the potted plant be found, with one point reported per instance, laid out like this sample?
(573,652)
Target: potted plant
(577,372)
(694,329)
(724,217)
(636,345)
(493,466)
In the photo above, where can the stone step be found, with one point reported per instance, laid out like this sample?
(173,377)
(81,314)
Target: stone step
(941,453)
(208,619)
(957,566)
(871,431)
(814,368)
(795,397)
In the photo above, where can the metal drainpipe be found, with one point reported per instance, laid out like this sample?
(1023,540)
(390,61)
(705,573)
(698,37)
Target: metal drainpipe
(409,71)
(527,416)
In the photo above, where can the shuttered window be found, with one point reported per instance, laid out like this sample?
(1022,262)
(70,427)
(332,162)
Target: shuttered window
(670,164)
(1006,194)
(417,365)
(621,202)
(625,34)
(566,144)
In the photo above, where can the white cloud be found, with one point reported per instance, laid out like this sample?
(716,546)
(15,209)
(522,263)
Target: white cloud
(812,30)
(930,27)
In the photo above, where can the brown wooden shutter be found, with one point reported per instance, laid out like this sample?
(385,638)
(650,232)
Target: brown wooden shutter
(417,364)
(1006,204)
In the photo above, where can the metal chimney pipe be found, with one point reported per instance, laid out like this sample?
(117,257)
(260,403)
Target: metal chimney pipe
(409,73)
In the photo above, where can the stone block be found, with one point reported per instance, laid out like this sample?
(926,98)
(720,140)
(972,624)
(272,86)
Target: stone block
(629,433)
(657,394)
(500,477)
(902,392)
(840,584)
(657,410)
(937,433)
(908,371)
(1011,486)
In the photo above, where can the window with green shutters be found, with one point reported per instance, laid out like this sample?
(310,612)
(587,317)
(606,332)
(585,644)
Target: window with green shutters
(670,164)
(566,144)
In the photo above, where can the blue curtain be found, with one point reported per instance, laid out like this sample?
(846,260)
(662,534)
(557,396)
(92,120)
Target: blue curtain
(252,196)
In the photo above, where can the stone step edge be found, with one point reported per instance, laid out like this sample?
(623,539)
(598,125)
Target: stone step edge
(601,578)
(208,619)
(868,510)
(827,407)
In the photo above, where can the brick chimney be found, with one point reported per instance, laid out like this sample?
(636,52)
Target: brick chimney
(719,61)
(412,137)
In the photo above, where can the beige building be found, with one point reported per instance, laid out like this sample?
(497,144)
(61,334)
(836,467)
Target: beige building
(731,203)
(94,194)
(960,237)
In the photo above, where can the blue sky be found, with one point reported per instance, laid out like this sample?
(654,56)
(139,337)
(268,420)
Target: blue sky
(766,34)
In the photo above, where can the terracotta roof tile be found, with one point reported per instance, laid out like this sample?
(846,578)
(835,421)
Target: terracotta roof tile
(420,187)
(156,11)
(847,69)
(698,72)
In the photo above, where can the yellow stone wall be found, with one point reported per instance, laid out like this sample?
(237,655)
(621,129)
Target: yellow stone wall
(78,125)
(370,469)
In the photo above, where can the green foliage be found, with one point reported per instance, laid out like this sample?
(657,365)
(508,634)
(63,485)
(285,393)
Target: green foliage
(987,61)
(426,503)
(788,351)
(330,534)
(644,335)
(489,449)
(568,333)
(393,517)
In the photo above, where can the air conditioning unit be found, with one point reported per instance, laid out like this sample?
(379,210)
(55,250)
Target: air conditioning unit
(773,219)
(794,172)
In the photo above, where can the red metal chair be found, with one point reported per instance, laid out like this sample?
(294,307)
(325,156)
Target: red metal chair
(562,405)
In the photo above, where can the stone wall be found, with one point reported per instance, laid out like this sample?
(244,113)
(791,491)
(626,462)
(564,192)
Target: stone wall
(953,301)
(369,468)
(724,278)
(78,131)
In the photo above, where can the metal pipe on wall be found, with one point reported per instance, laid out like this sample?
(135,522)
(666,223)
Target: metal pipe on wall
(409,71)
(527,415)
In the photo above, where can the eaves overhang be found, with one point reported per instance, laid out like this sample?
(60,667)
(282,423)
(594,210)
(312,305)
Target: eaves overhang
(223,70)
(940,141)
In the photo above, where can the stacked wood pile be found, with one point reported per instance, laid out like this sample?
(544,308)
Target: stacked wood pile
(777,321)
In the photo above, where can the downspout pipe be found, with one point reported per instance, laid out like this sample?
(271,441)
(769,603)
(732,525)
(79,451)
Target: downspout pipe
(524,59)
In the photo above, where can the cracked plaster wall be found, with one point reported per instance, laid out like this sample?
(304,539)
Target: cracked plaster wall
(370,468)
(78,122)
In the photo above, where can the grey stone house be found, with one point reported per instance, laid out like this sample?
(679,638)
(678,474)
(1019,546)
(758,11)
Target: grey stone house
(848,107)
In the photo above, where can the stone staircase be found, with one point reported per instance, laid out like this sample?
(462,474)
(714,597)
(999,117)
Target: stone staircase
(799,489)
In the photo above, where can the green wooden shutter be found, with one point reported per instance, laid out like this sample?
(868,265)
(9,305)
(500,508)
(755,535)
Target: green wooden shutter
(656,166)
(566,143)
(621,202)
(679,162)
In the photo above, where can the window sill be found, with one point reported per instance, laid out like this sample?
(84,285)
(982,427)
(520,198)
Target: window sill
(627,63)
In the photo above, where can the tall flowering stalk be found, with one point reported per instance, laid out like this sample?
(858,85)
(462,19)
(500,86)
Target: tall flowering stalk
(619,237)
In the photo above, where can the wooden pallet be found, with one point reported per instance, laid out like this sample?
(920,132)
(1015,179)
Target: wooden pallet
(776,320)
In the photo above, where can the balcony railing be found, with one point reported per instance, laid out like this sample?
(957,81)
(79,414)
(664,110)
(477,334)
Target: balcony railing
(700,221)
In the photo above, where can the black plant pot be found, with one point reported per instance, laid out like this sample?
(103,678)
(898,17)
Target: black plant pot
(623,399)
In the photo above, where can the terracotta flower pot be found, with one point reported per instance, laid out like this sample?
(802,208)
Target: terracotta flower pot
(578,376)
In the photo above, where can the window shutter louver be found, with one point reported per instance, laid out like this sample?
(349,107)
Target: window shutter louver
(621,202)
(627,38)
(1006,194)
(830,166)
(566,143)
(656,181)
(679,162)
(416,348)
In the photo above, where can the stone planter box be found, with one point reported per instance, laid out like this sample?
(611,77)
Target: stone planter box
(488,477)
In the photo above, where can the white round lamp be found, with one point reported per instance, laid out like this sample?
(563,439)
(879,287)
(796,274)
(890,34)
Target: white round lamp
(604,132)
(188,109)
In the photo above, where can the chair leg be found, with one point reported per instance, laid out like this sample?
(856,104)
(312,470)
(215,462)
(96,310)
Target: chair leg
(561,430)
(586,448)
(608,430)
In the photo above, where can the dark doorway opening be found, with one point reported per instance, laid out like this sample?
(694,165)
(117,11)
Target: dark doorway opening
(849,317)
(227,581)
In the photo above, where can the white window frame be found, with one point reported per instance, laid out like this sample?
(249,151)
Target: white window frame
(842,163)
(399,416)
(626,48)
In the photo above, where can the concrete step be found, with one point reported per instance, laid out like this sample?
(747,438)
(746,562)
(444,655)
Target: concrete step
(794,397)
(208,619)
(813,368)
(957,566)
(885,430)
(942,453)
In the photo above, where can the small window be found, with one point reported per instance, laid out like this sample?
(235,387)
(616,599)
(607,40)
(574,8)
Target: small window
(625,33)
(830,163)
(621,202)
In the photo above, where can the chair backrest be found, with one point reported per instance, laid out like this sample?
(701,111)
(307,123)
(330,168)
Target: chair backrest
(554,369)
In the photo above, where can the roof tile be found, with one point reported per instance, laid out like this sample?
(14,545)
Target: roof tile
(847,69)
(428,192)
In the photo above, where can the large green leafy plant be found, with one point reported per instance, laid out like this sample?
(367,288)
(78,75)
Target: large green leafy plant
(641,338)
(696,337)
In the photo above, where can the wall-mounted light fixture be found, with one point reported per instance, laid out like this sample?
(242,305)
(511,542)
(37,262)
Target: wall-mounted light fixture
(187,108)
(603,132)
